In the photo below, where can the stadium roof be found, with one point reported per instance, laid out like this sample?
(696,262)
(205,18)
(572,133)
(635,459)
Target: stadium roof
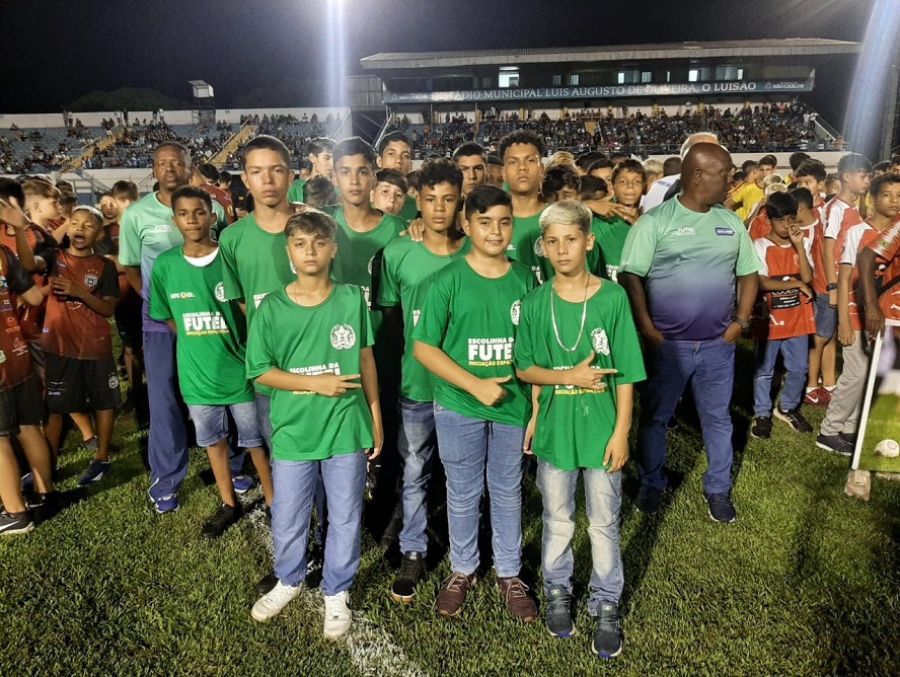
(672,50)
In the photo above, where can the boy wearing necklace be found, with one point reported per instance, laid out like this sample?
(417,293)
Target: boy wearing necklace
(578,345)
(465,338)
(311,342)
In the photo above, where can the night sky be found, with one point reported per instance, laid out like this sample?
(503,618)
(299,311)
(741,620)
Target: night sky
(56,50)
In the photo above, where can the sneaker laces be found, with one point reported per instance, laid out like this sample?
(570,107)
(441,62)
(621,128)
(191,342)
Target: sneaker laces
(456,583)
(516,589)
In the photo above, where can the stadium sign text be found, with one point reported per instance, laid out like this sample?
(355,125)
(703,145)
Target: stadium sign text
(603,92)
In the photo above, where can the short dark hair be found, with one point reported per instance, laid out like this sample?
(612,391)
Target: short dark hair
(265,142)
(393,177)
(522,136)
(12,188)
(621,155)
(125,188)
(813,168)
(319,192)
(853,162)
(592,184)
(748,166)
(779,205)
(768,160)
(68,199)
(209,171)
(738,176)
(629,165)
(96,214)
(484,197)
(895,160)
(412,179)
(192,192)
(602,163)
(177,146)
(802,196)
(672,166)
(225,176)
(434,172)
(320,144)
(389,138)
(493,159)
(314,222)
(559,177)
(354,145)
(585,160)
(468,149)
(881,181)
(881,166)
(797,159)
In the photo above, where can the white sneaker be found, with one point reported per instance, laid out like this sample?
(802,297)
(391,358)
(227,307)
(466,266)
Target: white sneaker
(337,615)
(270,605)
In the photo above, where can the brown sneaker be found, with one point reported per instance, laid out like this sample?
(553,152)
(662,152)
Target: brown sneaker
(518,601)
(453,593)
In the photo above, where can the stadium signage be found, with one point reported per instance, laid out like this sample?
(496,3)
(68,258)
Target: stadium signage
(604,91)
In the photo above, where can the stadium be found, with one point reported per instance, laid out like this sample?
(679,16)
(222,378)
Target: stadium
(287,380)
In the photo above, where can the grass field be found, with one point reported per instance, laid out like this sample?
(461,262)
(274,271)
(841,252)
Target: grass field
(884,423)
(804,583)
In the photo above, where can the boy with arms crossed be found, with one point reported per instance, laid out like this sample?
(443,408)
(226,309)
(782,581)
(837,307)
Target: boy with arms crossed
(188,293)
(465,337)
(311,342)
(576,331)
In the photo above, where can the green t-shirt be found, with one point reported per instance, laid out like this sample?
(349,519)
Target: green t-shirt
(527,247)
(473,319)
(610,237)
(358,258)
(406,273)
(297,191)
(323,339)
(574,425)
(212,331)
(410,209)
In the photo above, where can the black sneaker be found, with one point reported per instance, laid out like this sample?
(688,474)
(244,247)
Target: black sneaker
(268,517)
(559,612)
(836,444)
(94,473)
(12,523)
(761,428)
(721,509)
(648,500)
(608,639)
(794,419)
(221,519)
(43,506)
(412,570)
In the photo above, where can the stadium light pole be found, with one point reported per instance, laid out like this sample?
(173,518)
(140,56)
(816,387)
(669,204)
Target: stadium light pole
(335,53)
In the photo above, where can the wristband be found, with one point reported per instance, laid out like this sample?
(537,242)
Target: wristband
(744,324)
(831,286)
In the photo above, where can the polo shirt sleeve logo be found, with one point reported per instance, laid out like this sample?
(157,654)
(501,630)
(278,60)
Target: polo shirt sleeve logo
(220,292)
(724,232)
(514,312)
(343,337)
(600,341)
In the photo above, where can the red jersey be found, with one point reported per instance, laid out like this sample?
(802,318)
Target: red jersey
(839,218)
(887,249)
(760,226)
(15,359)
(71,329)
(790,311)
(42,244)
(222,197)
(857,237)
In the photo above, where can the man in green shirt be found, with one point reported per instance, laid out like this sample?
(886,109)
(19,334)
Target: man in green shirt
(188,294)
(311,342)
(408,269)
(465,337)
(394,152)
(521,152)
(320,156)
(576,331)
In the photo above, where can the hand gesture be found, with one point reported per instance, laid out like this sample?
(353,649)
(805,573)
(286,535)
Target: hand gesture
(415,230)
(490,391)
(12,214)
(583,375)
(795,233)
(874,321)
(629,214)
(331,385)
(616,452)
(732,333)
(63,286)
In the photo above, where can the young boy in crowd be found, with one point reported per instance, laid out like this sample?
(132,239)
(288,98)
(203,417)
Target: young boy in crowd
(494,171)
(882,255)
(320,155)
(408,269)
(389,193)
(465,337)
(311,343)
(394,152)
(593,189)
(319,193)
(838,430)
(21,400)
(745,198)
(576,331)
(81,373)
(188,293)
(788,316)
(610,232)
(521,152)
(560,183)
(471,159)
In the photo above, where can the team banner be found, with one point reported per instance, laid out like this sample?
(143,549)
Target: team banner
(604,91)
(878,439)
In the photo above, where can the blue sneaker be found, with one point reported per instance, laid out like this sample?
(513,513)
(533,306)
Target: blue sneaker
(721,509)
(94,473)
(242,484)
(166,504)
(608,638)
(559,612)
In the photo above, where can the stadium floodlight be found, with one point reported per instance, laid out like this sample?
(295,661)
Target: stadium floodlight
(201,89)
(335,56)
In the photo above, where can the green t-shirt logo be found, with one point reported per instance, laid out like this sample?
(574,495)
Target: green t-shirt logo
(514,312)
(493,352)
(220,292)
(343,337)
(539,248)
(600,341)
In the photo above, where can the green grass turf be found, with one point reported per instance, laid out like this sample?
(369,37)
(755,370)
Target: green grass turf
(884,423)
(805,583)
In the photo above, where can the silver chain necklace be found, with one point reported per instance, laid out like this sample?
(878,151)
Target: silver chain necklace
(553,293)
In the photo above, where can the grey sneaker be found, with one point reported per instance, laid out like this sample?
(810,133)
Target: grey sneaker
(559,612)
(836,444)
(608,638)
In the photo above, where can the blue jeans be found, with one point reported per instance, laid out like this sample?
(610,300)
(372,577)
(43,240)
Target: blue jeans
(168,451)
(295,485)
(211,423)
(603,501)
(416,444)
(466,446)
(709,366)
(795,352)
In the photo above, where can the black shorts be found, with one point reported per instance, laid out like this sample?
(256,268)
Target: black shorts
(130,322)
(21,405)
(81,385)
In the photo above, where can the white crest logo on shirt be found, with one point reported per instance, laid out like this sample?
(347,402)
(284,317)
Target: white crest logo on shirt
(370,264)
(514,311)
(220,292)
(342,337)
(90,280)
(600,341)
(539,247)
(113,382)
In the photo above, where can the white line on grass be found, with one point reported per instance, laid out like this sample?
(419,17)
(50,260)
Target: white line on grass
(370,647)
